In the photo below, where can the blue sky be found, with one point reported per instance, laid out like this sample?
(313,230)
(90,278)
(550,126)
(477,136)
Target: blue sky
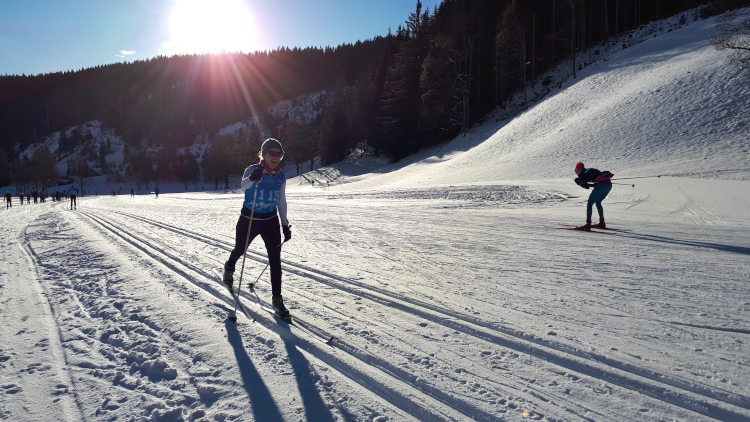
(42,36)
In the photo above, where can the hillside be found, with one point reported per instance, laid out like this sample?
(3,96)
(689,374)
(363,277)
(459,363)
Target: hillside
(670,105)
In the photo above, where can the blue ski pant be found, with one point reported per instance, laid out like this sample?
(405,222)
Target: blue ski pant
(597,196)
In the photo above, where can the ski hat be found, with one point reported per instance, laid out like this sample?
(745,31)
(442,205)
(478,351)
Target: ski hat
(271,143)
(578,167)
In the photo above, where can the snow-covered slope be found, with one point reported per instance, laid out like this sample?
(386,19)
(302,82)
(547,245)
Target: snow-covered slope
(449,285)
(671,105)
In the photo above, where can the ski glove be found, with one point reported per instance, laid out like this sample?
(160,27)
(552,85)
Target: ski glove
(287,232)
(581,183)
(257,174)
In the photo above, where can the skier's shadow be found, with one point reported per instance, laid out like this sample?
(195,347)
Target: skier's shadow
(693,243)
(315,407)
(263,405)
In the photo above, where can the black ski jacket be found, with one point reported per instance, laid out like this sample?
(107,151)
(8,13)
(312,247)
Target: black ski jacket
(587,176)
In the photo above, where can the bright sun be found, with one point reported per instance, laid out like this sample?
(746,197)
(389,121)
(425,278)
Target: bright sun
(210,26)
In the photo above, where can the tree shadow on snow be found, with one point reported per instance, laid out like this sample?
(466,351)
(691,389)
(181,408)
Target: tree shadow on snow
(264,408)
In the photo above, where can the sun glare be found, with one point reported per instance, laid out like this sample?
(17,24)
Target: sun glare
(210,26)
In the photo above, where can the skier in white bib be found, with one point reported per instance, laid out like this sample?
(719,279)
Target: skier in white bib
(264,210)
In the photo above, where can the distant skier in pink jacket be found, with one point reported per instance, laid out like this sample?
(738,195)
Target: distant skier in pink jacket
(599,180)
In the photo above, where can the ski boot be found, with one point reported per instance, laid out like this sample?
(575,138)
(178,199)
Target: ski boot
(586,226)
(278,306)
(228,277)
(600,224)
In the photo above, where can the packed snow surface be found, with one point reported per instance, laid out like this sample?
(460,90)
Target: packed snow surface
(448,284)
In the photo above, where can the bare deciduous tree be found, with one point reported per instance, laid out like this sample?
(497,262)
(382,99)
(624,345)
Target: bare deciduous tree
(734,35)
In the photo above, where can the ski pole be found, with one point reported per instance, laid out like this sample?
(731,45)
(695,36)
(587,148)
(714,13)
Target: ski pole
(641,177)
(625,184)
(247,241)
(265,268)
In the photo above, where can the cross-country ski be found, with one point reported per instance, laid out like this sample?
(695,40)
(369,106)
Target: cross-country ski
(256,303)
(238,301)
(583,228)
(253,299)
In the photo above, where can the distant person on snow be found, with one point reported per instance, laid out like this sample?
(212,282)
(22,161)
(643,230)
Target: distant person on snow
(264,205)
(132,193)
(28,198)
(73,194)
(20,196)
(599,180)
(8,199)
(156,191)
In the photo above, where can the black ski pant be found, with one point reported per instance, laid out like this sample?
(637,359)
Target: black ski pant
(269,231)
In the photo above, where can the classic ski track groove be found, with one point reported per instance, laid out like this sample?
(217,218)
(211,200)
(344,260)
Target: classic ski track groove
(261,258)
(598,366)
(585,413)
(387,366)
(421,411)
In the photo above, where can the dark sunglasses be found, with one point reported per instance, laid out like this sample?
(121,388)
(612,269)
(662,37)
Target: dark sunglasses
(275,154)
